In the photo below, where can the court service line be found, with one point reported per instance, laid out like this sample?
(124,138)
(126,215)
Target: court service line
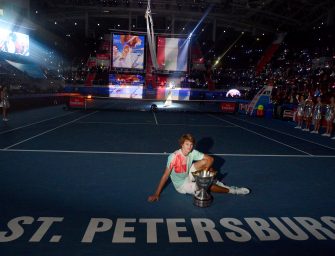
(50,130)
(118,123)
(155,154)
(271,129)
(203,125)
(269,155)
(44,120)
(142,123)
(262,135)
(155,117)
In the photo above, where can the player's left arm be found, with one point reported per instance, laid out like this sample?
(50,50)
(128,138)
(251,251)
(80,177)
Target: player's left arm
(202,161)
(208,161)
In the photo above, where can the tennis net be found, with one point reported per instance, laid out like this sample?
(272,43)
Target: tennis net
(100,103)
(138,99)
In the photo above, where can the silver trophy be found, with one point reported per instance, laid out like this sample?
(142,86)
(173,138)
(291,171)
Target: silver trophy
(203,179)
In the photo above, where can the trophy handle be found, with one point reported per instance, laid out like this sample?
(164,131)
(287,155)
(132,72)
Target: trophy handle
(211,171)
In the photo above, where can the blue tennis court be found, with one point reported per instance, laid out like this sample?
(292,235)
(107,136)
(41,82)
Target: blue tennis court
(77,182)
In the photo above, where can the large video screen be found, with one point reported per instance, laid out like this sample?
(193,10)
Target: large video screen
(172,53)
(14,42)
(128,51)
(126,86)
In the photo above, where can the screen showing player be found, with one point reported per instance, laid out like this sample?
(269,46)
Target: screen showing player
(14,42)
(126,86)
(128,51)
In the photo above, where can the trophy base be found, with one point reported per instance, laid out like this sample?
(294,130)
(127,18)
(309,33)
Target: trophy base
(202,202)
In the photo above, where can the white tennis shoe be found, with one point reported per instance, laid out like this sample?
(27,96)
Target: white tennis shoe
(234,190)
(238,191)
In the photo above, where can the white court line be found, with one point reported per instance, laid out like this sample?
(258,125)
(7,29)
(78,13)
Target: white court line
(284,133)
(155,154)
(261,135)
(155,117)
(125,123)
(27,125)
(268,155)
(117,123)
(50,130)
(204,125)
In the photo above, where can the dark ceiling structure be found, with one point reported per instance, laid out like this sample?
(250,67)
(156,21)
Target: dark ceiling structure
(254,16)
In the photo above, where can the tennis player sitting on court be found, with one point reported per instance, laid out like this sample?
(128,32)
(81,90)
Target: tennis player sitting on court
(180,166)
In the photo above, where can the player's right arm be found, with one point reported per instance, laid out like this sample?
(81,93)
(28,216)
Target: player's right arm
(162,182)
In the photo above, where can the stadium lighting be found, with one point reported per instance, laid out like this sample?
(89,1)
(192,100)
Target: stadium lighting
(221,56)
(198,24)
(202,19)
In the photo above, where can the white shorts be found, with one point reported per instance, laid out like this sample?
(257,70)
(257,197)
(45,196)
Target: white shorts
(188,187)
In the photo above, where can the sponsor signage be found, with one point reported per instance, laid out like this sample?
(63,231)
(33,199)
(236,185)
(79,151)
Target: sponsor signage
(228,107)
(77,102)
